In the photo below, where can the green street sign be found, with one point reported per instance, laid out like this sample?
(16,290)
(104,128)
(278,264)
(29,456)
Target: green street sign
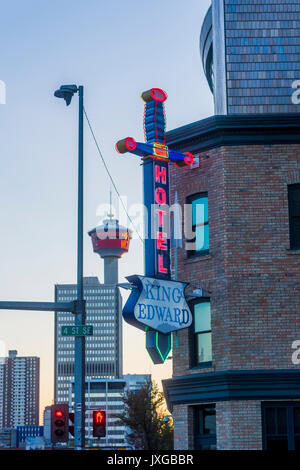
(80,330)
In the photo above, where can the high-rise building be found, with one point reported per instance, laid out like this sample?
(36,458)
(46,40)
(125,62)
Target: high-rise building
(103,311)
(19,399)
(251,55)
(236,378)
(103,349)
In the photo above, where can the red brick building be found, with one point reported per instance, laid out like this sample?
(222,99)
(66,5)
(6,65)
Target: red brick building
(236,383)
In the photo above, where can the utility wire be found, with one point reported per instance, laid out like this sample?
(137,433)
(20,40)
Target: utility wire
(110,176)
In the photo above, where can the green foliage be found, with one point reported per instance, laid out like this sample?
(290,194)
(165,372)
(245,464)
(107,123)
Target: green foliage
(144,413)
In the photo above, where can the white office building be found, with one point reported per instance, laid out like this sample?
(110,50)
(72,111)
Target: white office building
(103,349)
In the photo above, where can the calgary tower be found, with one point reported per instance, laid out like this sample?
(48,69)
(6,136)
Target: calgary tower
(110,240)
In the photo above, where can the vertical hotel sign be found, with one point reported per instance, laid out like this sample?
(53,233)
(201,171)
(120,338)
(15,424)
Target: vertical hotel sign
(161,217)
(156,185)
(151,306)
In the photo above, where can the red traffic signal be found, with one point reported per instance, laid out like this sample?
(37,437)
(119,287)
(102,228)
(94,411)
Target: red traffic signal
(59,423)
(99,423)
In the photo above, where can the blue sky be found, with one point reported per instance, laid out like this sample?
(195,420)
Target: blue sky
(115,49)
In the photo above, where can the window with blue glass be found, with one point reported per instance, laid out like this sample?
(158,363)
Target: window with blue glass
(202,336)
(198,244)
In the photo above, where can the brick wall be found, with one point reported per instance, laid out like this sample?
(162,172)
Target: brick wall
(208,271)
(250,274)
(262,55)
(183,427)
(239,425)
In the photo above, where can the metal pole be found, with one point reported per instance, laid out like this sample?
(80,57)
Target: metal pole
(106,410)
(79,422)
(175,263)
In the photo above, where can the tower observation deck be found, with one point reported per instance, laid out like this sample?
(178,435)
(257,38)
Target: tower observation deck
(110,240)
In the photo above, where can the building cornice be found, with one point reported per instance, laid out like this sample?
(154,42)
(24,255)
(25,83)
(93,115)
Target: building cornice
(232,385)
(235,130)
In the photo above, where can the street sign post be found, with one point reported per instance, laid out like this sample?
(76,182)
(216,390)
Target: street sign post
(77,330)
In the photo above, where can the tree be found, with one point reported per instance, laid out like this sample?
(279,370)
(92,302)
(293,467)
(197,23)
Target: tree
(143,415)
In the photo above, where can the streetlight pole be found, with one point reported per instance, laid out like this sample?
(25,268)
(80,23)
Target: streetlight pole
(66,92)
(79,422)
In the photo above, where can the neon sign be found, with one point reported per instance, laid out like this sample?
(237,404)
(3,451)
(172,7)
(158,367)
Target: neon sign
(161,198)
(157,157)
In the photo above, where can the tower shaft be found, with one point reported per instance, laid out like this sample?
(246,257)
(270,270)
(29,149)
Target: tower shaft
(111,270)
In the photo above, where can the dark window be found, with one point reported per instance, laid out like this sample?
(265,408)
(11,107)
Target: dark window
(281,426)
(202,346)
(294,213)
(205,427)
(198,240)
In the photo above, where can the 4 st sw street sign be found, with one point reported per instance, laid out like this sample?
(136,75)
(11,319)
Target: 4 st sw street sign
(80,330)
(158,304)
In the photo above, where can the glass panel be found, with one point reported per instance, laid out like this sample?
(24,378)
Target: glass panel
(282,420)
(200,210)
(203,348)
(202,317)
(210,422)
(297,420)
(271,420)
(295,230)
(205,420)
(202,238)
(295,196)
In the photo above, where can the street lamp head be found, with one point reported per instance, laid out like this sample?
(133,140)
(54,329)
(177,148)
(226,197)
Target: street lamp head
(66,92)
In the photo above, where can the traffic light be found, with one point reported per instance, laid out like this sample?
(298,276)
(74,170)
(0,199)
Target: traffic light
(59,423)
(99,423)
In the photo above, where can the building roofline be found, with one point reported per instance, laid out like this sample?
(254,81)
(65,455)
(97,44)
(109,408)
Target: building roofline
(270,384)
(233,130)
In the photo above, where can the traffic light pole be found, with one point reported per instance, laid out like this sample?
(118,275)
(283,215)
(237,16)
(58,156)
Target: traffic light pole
(79,402)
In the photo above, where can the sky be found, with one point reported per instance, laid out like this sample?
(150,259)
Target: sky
(116,49)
